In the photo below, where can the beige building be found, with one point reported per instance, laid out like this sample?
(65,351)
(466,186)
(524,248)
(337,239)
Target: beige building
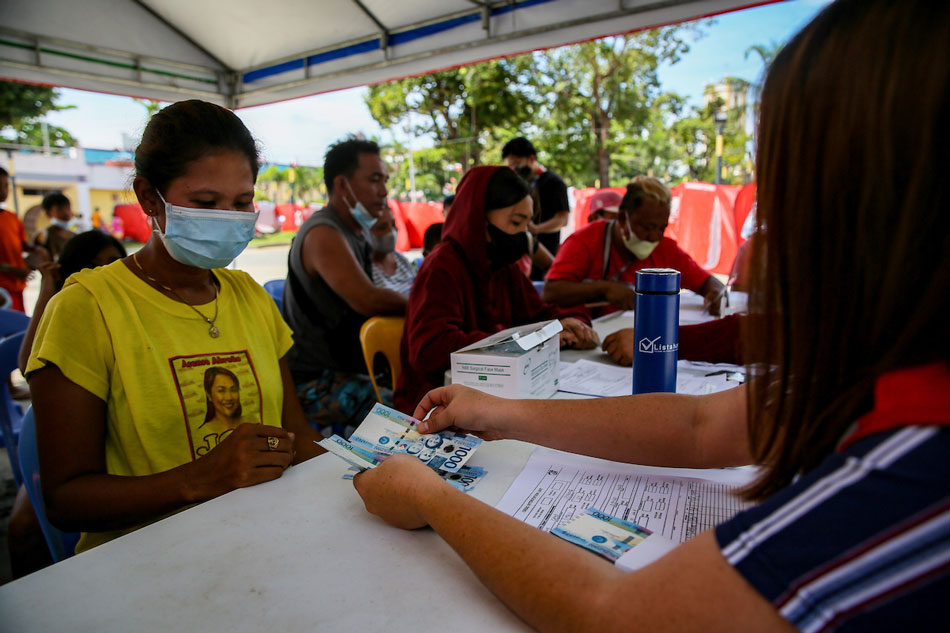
(734,93)
(89,186)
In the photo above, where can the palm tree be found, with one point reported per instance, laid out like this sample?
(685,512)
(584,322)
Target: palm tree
(766,53)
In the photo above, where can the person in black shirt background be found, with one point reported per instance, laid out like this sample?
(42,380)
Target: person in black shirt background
(547,189)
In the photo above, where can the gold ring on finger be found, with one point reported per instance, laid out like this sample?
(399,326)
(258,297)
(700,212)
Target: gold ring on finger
(272,443)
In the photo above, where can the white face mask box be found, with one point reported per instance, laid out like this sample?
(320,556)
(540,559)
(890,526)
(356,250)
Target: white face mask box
(520,362)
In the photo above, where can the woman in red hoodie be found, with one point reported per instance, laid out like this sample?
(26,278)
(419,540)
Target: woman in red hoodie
(470,286)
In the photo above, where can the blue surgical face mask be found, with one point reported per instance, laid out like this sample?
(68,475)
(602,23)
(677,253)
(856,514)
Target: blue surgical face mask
(205,238)
(359,212)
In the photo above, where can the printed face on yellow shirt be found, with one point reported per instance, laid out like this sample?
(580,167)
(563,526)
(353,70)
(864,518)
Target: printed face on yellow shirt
(225,396)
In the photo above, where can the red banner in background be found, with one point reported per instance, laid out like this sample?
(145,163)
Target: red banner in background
(745,202)
(402,233)
(412,220)
(582,203)
(291,216)
(703,224)
(705,219)
(135,224)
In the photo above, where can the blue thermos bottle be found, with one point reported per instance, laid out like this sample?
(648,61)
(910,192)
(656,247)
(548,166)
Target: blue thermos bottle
(656,330)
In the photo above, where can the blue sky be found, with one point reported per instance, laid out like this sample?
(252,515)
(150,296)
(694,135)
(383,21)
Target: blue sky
(302,129)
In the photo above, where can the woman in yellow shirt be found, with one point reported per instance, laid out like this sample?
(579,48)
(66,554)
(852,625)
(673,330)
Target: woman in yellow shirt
(118,374)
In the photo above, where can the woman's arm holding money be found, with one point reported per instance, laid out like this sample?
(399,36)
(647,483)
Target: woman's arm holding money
(556,586)
(660,429)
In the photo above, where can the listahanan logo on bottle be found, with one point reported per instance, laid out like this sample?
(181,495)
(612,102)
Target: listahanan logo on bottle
(654,346)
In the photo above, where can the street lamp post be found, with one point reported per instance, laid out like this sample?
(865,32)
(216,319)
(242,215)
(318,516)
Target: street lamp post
(720,123)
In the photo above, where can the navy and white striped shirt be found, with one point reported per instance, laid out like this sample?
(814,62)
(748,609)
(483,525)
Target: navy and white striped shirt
(860,544)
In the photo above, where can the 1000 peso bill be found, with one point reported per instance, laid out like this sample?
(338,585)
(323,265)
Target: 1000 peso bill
(388,432)
(602,533)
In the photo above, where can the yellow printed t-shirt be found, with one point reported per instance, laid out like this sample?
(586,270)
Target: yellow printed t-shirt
(150,358)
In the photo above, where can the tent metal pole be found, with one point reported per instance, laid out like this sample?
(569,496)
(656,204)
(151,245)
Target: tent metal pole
(215,96)
(181,34)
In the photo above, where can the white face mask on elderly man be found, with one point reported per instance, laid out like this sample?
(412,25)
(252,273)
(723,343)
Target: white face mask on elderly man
(205,238)
(641,249)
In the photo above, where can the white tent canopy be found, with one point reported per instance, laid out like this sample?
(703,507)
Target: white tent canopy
(242,53)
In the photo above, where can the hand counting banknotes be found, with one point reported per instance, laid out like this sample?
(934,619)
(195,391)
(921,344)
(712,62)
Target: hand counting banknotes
(465,479)
(386,432)
(602,533)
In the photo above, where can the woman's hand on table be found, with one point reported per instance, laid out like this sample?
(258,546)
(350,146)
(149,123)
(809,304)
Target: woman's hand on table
(577,334)
(243,458)
(393,489)
(619,346)
(463,408)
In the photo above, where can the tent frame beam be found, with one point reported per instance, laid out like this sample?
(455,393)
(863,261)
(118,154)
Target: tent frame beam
(383,30)
(314,78)
(188,92)
(177,31)
(40,40)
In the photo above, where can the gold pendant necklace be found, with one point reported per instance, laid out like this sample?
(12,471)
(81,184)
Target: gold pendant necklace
(213,330)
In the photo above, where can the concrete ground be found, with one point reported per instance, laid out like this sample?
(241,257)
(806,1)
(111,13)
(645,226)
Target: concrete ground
(262,263)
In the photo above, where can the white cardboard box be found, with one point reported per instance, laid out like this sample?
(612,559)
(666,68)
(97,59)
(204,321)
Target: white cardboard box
(520,362)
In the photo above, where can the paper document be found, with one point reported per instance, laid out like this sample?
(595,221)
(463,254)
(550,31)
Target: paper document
(650,549)
(590,378)
(701,378)
(555,487)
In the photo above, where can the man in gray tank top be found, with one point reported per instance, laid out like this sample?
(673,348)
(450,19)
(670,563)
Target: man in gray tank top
(329,291)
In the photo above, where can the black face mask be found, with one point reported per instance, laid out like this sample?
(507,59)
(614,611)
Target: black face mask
(505,248)
(525,172)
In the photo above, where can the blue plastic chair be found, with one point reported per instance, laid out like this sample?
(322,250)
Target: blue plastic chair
(61,544)
(539,286)
(12,322)
(10,416)
(275,288)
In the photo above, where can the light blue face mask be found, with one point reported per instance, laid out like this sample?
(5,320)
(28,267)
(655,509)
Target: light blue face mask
(205,238)
(359,212)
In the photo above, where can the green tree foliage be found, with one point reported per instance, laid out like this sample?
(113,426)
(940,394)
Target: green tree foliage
(597,98)
(596,112)
(459,108)
(151,107)
(274,184)
(694,136)
(22,107)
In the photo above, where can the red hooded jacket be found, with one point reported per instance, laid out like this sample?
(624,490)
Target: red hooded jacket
(458,299)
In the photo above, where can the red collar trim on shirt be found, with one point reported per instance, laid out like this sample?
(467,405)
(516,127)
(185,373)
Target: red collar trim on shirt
(906,397)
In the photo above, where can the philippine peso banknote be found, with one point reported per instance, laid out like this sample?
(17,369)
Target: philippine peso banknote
(465,479)
(347,452)
(602,533)
(388,432)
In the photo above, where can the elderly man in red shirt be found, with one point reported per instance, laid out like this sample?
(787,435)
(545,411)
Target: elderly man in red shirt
(598,263)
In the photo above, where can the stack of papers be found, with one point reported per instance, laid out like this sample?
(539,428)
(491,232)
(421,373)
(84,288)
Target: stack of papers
(600,380)
(647,507)
(386,432)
